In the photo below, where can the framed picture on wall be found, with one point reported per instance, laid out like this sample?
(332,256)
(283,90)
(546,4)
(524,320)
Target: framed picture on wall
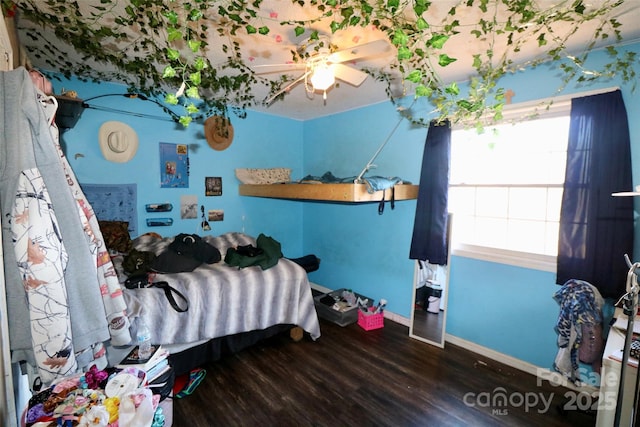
(216,215)
(213,186)
(188,207)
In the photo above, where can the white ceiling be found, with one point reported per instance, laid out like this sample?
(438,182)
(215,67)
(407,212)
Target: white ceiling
(275,48)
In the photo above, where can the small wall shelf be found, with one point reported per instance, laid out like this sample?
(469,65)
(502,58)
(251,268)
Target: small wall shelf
(346,193)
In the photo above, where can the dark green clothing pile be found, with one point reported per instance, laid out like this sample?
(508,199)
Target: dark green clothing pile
(271,253)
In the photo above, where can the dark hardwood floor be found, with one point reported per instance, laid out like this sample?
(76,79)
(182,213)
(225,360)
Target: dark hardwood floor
(350,377)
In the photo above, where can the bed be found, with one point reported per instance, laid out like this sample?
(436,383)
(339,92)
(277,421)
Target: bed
(229,307)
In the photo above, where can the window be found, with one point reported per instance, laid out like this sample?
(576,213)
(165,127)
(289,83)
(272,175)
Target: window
(506,189)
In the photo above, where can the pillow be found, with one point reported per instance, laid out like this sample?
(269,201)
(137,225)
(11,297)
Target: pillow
(116,235)
(264,176)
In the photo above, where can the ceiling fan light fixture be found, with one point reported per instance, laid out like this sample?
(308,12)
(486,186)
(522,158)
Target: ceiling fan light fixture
(322,77)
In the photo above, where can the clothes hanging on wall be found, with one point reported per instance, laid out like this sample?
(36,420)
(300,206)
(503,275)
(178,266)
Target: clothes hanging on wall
(110,289)
(580,304)
(48,250)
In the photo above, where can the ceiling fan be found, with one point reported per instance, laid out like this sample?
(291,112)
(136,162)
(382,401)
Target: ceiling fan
(321,67)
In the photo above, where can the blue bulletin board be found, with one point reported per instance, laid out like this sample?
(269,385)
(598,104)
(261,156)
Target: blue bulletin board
(174,165)
(114,202)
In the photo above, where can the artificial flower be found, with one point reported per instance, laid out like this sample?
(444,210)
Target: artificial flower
(112,404)
(96,416)
(94,377)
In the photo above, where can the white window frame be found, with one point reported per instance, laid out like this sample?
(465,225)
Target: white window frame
(546,108)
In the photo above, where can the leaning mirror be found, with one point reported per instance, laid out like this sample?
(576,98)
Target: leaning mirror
(429,303)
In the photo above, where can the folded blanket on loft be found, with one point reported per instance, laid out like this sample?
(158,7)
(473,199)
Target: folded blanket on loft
(374,183)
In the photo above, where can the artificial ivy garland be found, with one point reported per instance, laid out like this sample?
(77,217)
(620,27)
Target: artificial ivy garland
(159,47)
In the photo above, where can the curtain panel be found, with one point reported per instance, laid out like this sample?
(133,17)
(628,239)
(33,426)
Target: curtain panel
(596,229)
(429,240)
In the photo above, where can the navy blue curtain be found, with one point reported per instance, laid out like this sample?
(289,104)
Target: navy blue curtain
(429,241)
(596,229)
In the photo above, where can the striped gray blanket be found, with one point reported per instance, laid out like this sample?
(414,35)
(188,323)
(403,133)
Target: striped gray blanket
(223,300)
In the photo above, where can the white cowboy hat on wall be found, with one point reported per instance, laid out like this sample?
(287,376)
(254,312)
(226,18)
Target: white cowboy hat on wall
(118,141)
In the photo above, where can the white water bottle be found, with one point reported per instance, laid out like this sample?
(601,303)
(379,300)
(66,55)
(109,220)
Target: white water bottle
(144,340)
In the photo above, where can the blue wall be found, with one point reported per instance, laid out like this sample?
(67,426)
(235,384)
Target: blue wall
(260,141)
(505,308)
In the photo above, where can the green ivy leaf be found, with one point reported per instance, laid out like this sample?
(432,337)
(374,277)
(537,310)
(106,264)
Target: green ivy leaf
(168,72)
(185,120)
(172,17)
(477,62)
(445,60)
(422,90)
(263,30)
(195,15)
(541,40)
(194,45)
(466,105)
(400,38)
(420,7)
(404,53)
(251,29)
(452,89)
(173,34)
(393,4)
(200,63)
(173,54)
(195,78)
(192,92)
(421,24)
(415,76)
(437,41)
(171,99)
(192,109)
(299,31)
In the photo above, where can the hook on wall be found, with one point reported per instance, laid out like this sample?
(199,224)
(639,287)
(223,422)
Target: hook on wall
(204,224)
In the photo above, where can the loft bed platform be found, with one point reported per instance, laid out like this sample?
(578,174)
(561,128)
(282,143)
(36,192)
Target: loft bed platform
(343,192)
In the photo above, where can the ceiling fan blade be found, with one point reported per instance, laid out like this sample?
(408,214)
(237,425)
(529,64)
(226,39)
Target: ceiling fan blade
(277,68)
(348,74)
(273,97)
(376,47)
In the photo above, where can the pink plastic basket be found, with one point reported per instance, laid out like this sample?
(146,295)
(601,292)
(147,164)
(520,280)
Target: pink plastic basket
(370,321)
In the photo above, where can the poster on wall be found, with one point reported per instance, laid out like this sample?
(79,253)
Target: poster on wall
(216,215)
(213,186)
(188,207)
(174,165)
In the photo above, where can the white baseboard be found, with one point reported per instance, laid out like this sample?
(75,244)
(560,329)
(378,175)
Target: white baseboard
(484,351)
(397,318)
(521,365)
